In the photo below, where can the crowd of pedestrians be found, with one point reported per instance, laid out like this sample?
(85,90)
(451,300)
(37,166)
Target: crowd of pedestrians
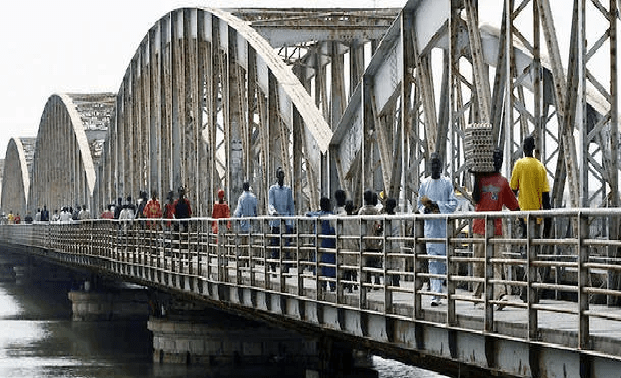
(67,215)
(527,189)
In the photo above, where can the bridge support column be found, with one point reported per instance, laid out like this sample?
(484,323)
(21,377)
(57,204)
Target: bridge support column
(338,359)
(7,271)
(129,304)
(216,338)
(37,270)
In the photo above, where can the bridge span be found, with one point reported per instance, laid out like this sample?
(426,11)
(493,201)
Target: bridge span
(352,99)
(562,324)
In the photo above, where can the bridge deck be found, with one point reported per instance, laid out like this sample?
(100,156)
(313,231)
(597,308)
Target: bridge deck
(557,325)
(231,270)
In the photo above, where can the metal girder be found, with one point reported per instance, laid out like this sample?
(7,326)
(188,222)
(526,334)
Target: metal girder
(565,117)
(288,27)
(481,76)
(286,80)
(385,150)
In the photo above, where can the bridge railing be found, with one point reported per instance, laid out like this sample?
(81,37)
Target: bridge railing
(377,264)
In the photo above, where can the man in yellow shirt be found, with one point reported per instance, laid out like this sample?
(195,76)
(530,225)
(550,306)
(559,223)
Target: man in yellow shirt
(529,180)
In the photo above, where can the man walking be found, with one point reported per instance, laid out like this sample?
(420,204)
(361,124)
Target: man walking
(246,207)
(280,203)
(529,180)
(491,192)
(436,196)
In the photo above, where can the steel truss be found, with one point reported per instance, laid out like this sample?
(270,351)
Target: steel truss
(213,98)
(439,69)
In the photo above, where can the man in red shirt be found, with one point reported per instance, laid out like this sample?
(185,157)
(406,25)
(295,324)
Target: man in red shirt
(220,210)
(491,192)
(108,214)
(153,210)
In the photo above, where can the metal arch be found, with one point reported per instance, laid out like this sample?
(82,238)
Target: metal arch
(16,179)
(314,121)
(206,103)
(63,168)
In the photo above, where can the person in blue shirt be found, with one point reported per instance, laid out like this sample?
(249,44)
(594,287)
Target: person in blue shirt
(45,215)
(436,196)
(246,207)
(326,227)
(280,204)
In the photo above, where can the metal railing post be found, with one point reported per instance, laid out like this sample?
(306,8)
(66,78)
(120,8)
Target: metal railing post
(318,287)
(208,249)
(362,292)
(451,272)
(219,270)
(235,244)
(419,249)
(583,279)
(337,265)
(531,251)
(267,249)
(388,297)
(488,268)
(300,268)
(250,250)
(200,250)
(281,240)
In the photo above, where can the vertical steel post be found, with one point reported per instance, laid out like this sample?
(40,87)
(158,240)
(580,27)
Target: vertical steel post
(583,281)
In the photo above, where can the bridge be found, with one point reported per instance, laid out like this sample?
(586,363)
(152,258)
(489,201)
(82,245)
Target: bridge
(564,323)
(350,99)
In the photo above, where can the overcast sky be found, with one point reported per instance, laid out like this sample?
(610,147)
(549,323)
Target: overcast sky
(56,46)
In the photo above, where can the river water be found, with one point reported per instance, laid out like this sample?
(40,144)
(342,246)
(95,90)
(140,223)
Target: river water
(38,339)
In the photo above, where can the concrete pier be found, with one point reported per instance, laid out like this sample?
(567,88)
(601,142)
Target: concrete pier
(7,272)
(112,305)
(220,340)
(215,338)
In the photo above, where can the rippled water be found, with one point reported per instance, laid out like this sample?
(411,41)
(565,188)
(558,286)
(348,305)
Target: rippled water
(38,339)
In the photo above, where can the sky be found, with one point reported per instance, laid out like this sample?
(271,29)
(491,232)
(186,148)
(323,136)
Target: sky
(85,46)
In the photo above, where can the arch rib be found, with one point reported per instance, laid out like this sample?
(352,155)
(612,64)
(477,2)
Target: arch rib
(81,140)
(224,108)
(312,117)
(71,129)
(16,179)
(23,164)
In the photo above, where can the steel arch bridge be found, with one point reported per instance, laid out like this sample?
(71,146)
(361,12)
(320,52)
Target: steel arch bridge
(16,175)
(340,98)
(69,143)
